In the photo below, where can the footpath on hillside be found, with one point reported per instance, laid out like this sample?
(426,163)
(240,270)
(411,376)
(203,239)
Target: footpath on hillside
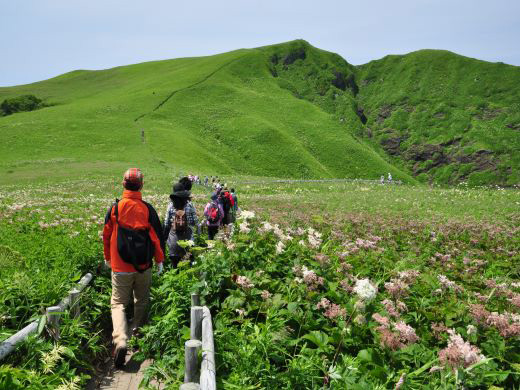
(128,378)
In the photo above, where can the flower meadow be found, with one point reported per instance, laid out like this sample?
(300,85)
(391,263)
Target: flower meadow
(349,286)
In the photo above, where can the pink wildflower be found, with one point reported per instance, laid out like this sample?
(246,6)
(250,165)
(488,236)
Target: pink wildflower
(507,324)
(459,353)
(390,308)
(345,285)
(345,267)
(449,284)
(335,311)
(265,295)
(332,311)
(396,288)
(406,333)
(515,301)
(244,282)
(394,310)
(322,259)
(309,276)
(480,297)
(323,304)
(394,335)
(409,276)
(384,321)
(438,329)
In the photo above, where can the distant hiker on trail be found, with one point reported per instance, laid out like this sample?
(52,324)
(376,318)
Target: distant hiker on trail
(389,178)
(214,214)
(205,181)
(132,236)
(180,220)
(382,179)
(234,209)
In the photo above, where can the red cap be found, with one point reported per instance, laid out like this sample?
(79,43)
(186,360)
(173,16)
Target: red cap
(133,176)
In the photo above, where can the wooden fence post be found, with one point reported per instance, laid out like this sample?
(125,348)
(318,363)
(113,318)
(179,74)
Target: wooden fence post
(208,368)
(190,386)
(53,319)
(191,360)
(74,303)
(196,323)
(195,299)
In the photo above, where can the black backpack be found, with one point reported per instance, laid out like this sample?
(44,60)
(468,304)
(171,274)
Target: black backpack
(134,245)
(226,203)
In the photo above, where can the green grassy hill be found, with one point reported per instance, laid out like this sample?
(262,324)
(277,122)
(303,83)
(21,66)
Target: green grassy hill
(445,117)
(287,110)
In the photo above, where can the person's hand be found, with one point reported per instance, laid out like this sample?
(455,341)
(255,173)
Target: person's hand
(107,265)
(160,268)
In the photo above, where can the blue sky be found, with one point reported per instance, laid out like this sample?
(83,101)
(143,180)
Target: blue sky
(44,38)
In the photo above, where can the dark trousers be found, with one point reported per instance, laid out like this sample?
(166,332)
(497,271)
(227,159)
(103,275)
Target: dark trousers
(212,231)
(175,260)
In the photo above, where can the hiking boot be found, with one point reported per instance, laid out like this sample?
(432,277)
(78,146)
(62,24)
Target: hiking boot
(119,357)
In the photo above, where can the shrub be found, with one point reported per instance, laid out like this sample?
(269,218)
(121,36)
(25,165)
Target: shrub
(20,104)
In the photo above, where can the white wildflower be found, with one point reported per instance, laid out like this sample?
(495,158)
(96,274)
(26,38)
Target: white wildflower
(360,319)
(244,228)
(365,290)
(360,306)
(280,247)
(471,329)
(246,215)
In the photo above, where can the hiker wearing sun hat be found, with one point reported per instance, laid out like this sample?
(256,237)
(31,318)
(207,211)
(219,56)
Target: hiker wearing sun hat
(132,236)
(180,220)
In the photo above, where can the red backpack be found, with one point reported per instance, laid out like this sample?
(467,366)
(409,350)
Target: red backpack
(213,213)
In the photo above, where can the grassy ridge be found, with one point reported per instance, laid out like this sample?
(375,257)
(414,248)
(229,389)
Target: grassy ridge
(223,113)
(287,110)
(448,117)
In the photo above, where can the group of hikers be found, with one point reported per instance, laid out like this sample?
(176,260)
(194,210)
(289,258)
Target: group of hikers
(133,235)
(382,180)
(215,181)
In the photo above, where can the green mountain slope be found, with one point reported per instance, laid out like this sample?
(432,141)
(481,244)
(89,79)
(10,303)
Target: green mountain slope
(446,117)
(220,114)
(287,110)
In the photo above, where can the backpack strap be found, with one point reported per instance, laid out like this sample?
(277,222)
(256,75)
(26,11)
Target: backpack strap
(156,224)
(116,211)
(108,215)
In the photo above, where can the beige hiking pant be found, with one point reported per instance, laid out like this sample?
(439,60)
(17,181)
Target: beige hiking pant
(123,286)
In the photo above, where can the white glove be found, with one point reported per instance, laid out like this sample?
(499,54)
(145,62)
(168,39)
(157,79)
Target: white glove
(160,268)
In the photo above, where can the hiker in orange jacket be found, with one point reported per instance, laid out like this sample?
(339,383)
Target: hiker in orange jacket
(131,237)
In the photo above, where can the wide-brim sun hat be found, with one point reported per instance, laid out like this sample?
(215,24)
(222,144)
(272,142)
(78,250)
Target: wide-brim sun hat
(180,192)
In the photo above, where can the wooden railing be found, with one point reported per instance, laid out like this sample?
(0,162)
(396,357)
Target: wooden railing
(52,318)
(201,336)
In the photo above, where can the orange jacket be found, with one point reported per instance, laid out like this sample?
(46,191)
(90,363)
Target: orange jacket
(134,214)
